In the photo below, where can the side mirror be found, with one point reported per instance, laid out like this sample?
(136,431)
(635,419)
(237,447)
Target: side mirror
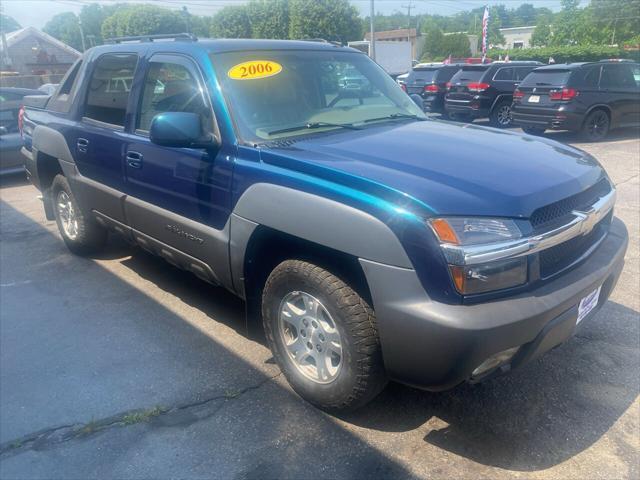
(180,130)
(3,130)
(417,99)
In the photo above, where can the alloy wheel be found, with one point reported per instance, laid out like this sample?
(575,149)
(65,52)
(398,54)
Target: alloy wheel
(67,215)
(310,336)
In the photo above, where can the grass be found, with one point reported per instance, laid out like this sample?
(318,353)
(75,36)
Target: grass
(141,416)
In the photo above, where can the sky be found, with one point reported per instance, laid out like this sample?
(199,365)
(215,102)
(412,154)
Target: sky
(37,12)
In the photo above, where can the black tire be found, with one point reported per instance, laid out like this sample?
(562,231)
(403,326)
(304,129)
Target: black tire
(361,375)
(89,237)
(596,126)
(500,116)
(537,131)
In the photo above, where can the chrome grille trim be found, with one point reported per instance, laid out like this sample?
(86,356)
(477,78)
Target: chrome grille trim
(582,223)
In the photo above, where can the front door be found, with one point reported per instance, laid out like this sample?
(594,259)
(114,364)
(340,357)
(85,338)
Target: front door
(179,197)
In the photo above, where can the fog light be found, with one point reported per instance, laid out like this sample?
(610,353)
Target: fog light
(490,276)
(495,361)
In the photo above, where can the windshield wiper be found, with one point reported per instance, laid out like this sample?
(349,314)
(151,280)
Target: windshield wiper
(312,125)
(395,116)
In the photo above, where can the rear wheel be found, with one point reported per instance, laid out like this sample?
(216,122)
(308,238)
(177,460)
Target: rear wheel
(501,115)
(596,126)
(323,335)
(533,130)
(81,234)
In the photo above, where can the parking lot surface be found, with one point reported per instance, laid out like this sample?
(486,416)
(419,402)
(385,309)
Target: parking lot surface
(122,366)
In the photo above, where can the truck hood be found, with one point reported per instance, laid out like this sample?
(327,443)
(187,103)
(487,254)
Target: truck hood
(452,169)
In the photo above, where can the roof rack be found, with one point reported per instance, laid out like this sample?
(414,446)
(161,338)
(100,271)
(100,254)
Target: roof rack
(604,60)
(185,37)
(322,40)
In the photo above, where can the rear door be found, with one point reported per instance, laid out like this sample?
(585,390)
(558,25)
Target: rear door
(418,78)
(459,84)
(537,85)
(178,196)
(98,141)
(621,93)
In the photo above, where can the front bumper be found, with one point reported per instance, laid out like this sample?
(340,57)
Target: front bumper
(436,346)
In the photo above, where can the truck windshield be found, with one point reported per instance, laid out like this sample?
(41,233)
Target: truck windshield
(275,94)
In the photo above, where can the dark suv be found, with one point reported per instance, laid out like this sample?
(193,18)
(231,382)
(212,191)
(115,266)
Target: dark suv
(591,98)
(429,80)
(479,91)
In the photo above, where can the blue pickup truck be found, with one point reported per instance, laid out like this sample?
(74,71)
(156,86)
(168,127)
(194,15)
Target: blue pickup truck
(372,243)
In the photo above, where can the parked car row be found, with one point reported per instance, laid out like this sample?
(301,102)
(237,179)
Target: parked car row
(589,97)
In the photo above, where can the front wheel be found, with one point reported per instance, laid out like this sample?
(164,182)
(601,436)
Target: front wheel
(323,335)
(81,234)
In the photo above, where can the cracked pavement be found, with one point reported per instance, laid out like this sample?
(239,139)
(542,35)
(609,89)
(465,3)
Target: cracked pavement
(124,367)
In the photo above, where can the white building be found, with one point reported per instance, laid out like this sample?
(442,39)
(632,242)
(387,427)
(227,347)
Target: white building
(516,37)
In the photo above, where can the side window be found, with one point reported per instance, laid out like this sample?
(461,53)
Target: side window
(635,71)
(592,77)
(617,76)
(170,87)
(63,97)
(109,88)
(504,74)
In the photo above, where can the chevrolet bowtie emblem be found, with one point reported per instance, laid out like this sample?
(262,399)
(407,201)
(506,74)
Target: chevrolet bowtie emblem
(588,219)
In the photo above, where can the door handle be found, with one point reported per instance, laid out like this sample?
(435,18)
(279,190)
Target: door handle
(134,159)
(82,145)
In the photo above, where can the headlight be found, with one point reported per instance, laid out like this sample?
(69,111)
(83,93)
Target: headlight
(474,231)
(456,233)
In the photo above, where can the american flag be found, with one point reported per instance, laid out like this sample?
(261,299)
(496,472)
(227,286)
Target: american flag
(485,27)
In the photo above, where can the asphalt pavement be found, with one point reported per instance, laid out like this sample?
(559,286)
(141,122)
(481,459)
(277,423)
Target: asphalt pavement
(122,366)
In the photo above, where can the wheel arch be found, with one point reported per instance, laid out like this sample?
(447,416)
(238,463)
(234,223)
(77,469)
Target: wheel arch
(268,247)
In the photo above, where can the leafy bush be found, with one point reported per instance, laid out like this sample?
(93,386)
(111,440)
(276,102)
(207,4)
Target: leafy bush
(567,54)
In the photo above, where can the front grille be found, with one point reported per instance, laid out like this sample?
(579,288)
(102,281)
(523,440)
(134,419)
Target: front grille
(555,259)
(555,211)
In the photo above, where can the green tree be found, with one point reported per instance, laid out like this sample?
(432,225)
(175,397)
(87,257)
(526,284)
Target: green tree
(92,17)
(433,42)
(456,45)
(231,22)
(65,27)
(333,20)
(541,36)
(269,18)
(618,17)
(142,20)
(524,15)
(8,24)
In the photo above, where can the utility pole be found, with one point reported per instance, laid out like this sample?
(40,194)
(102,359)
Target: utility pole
(408,7)
(372,40)
(84,47)
(185,13)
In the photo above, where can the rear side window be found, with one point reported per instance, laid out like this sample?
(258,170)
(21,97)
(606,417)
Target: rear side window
(422,75)
(547,78)
(635,71)
(64,96)
(504,74)
(469,74)
(592,77)
(617,76)
(109,88)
